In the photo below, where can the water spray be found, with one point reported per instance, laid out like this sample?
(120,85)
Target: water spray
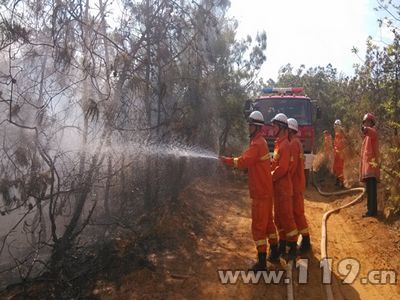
(174,150)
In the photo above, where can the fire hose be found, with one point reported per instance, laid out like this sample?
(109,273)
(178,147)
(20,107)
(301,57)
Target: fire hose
(289,275)
(324,242)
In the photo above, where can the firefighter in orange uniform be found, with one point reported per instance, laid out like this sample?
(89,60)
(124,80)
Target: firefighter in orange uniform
(369,164)
(328,148)
(256,160)
(338,159)
(296,171)
(283,189)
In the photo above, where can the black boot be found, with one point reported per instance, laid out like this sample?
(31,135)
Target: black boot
(372,204)
(292,251)
(305,244)
(282,248)
(273,254)
(261,265)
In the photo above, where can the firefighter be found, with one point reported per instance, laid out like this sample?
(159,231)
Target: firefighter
(283,189)
(256,160)
(328,148)
(338,159)
(296,171)
(369,168)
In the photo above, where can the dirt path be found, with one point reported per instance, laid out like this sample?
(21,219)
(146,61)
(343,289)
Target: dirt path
(214,234)
(369,244)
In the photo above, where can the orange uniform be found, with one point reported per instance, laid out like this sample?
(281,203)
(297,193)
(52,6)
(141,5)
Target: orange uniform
(256,160)
(296,171)
(328,145)
(283,191)
(369,155)
(271,230)
(338,162)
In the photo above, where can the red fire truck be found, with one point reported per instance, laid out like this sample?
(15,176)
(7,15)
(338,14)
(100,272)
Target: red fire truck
(294,104)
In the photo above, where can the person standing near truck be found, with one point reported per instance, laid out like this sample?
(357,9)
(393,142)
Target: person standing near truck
(328,148)
(296,171)
(283,188)
(369,164)
(256,160)
(338,154)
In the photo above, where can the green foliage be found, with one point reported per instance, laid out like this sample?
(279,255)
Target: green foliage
(235,78)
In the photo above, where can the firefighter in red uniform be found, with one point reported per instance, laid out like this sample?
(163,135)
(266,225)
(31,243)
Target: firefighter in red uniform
(338,158)
(328,148)
(296,171)
(283,189)
(369,164)
(256,160)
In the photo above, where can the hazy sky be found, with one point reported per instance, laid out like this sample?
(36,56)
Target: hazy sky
(309,32)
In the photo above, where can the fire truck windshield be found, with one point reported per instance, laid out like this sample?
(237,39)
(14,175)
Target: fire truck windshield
(300,109)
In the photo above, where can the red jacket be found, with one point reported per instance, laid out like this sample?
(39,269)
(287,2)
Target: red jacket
(328,144)
(296,168)
(338,143)
(256,160)
(369,154)
(280,167)
(338,157)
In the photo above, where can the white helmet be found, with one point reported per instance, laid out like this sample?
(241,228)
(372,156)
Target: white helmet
(338,123)
(292,123)
(256,118)
(281,119)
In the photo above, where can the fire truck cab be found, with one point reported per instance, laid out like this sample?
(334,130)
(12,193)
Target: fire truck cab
(294,104)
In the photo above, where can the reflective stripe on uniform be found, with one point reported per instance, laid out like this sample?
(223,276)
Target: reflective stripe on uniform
(292,233)
(260,242)
(273,236)
(235,162)
(303,231)
(265,157)
(276,155)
